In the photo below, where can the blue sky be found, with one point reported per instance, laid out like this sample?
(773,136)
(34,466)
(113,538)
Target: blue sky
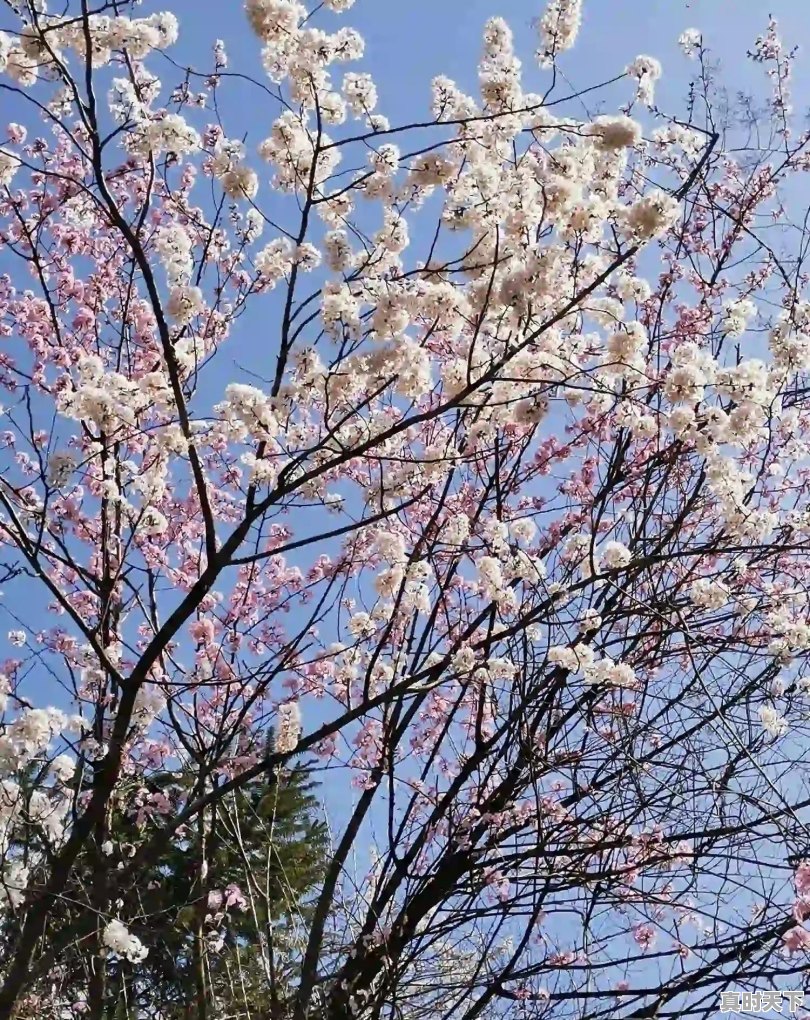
(411,41)
(408,43)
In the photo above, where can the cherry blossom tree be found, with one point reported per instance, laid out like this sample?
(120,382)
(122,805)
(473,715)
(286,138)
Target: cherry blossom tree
(466,455)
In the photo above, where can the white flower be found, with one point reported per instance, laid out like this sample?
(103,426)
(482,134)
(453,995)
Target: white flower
(149,703)
(5,47)
(248,410)
(20,67)
(559,655)
(63,767)
(690,41)
(708,594)
(558,29)
(288,728)
(681,420)
(614,133)
(591,621)
(501,669)
(166,28)
(274,19)
(578,659)
(736,315)
(13,883)
(60,467)
(275,260)
(650,216)
(615,674)
(185,303)
(360,93)
(774,724)
(361,625)
(646,70)
(463,660)
(174,248)
(169,134)
(240,182)
(9,165)
(30,733)
(633,288)
(524,529)
(117,937)
(489,570)
(390,546)
(615,555)
(153,523)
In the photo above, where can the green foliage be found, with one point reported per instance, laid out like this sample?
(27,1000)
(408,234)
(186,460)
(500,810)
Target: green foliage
(220,936)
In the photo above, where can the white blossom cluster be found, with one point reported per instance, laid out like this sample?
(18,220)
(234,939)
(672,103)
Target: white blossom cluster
(690,41)
(9,165)
(25,740)
(228,166)
(167,132)
(118,938)
(558,28)
(709,594)
(301,56)
(28,55)
(646,70)
(785,616)
(615,555)
(29,734)
(581,659)
(737,314)
(288,728)
(773,722)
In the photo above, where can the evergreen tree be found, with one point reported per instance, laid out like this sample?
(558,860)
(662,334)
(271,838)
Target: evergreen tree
(218,936)
(265,850)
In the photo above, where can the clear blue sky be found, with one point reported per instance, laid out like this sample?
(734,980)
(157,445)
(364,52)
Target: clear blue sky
(410,41)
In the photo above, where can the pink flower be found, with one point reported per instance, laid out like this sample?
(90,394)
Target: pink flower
(202,631)
(801,909)
(644,935)
(84,318)
(797,940)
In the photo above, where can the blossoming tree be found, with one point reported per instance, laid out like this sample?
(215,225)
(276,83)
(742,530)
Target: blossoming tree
(504,518)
